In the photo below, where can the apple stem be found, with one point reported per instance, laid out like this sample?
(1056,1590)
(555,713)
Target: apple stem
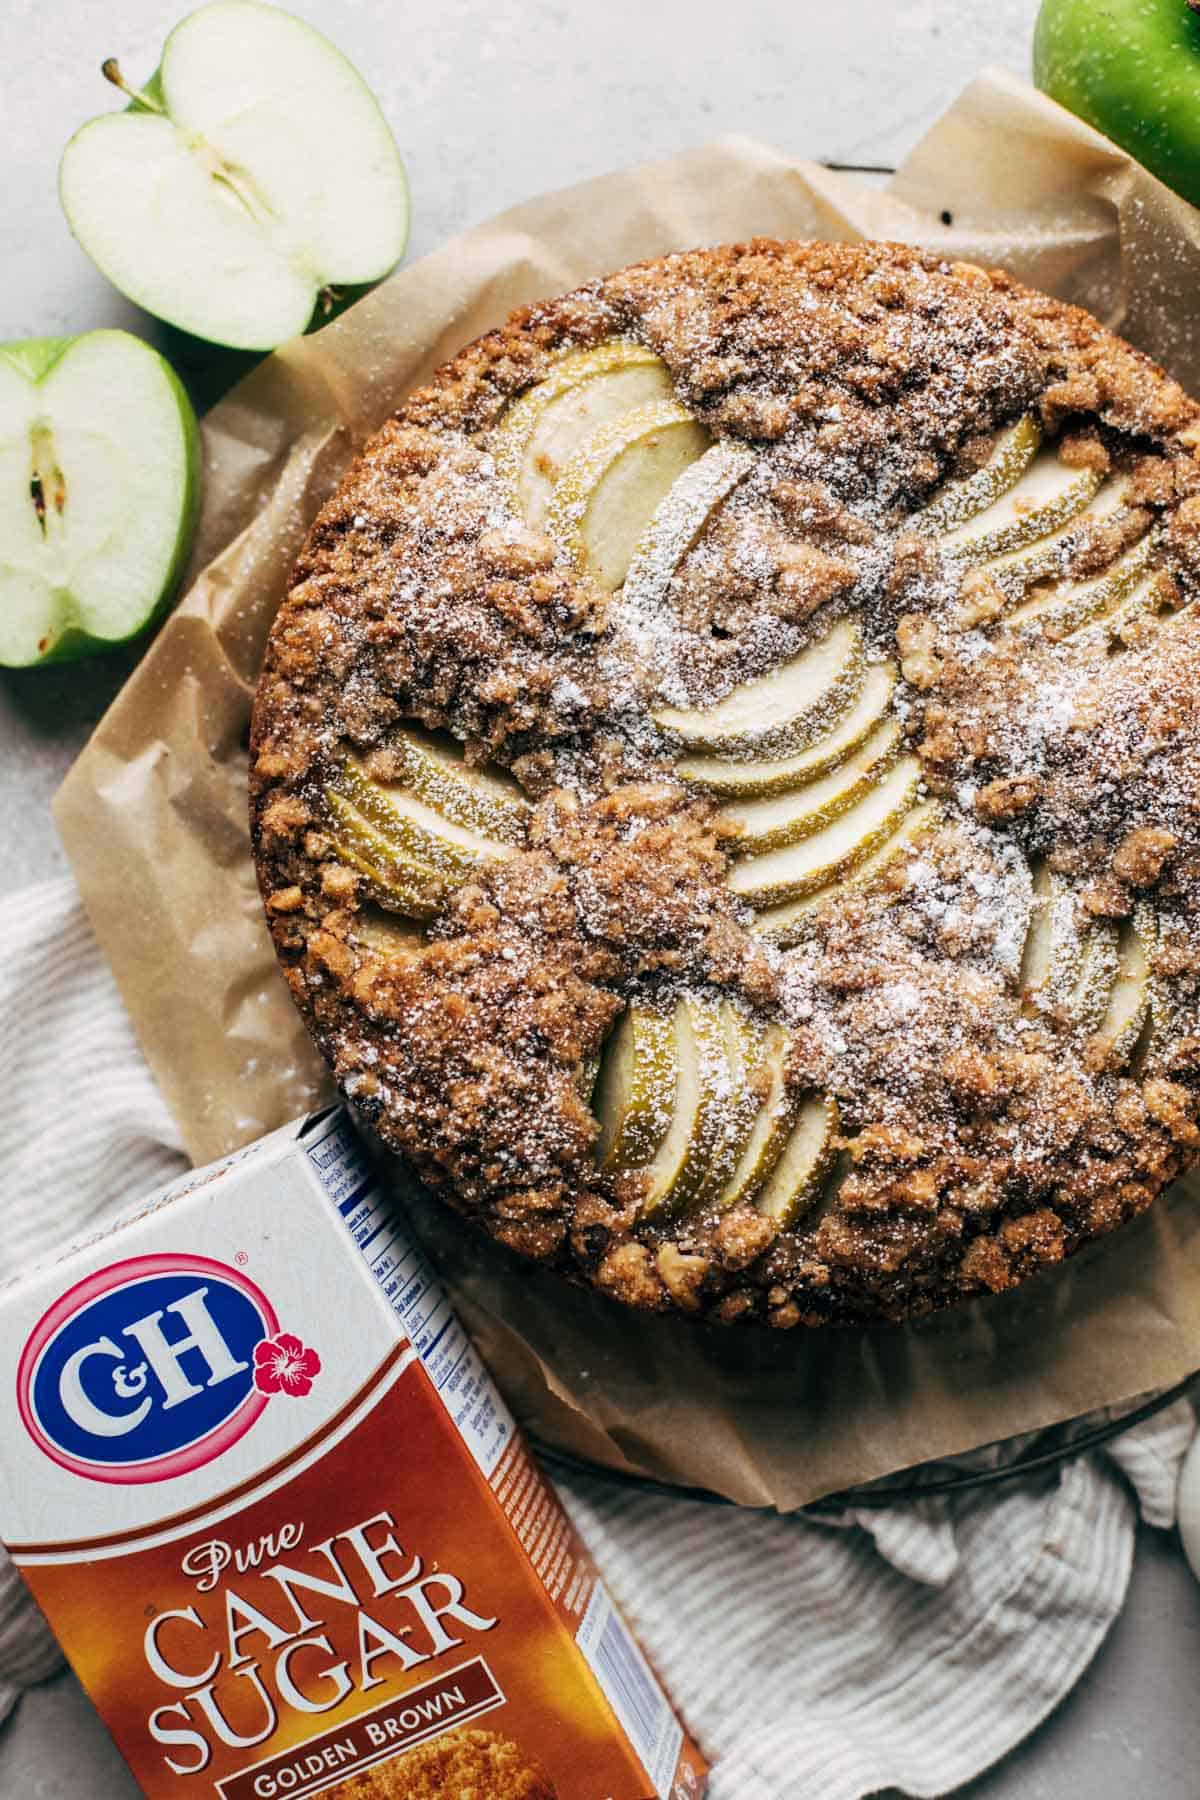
(110,68)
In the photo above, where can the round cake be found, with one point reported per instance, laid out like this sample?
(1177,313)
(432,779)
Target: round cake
(724,783)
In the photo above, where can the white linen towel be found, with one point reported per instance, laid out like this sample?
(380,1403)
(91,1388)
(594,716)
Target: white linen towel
(905,1649)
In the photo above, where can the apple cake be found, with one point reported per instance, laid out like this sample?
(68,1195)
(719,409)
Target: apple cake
(725,782)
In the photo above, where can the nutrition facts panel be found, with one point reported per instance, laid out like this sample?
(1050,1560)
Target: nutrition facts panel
(413,1291)
(631,1688)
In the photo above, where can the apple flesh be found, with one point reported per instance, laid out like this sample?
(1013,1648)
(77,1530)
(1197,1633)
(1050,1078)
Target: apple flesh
(785,710)
(99,484)
(484,801)
(771,823)
(675,1176)
(584,390)
(804,1162)
(1053,959)
(745,1046)
(1062,612)
(801,868)
(761,779)
(635,1089)
(1129,1001)
(1131,68)
(611,486)
(1048,494)
(772,1126)
(253,175)
(1012,452)
(787,924)
(681,518)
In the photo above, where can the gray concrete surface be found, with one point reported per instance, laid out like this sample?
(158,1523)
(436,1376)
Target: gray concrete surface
(494,100)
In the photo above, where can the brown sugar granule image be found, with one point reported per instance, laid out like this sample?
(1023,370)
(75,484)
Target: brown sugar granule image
(990,1028)
(464,1765)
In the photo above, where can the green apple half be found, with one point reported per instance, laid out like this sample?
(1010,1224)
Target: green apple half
(99,483)
(1131,68)
(251,176)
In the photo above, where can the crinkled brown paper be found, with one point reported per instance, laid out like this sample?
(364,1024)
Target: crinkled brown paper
(154,812)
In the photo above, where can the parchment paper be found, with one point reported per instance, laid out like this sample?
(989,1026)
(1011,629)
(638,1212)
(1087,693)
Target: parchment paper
(154,813)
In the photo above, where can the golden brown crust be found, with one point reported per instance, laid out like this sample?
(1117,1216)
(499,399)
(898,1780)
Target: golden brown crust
(980,1143)
(463,1765)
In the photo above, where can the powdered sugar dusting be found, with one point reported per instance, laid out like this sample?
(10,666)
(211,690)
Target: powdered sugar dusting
(980,1138)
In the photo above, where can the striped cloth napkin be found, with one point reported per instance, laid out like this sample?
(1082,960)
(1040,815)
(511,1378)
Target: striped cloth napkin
(815,1660)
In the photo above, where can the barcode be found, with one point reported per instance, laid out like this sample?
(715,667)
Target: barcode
(631,1690)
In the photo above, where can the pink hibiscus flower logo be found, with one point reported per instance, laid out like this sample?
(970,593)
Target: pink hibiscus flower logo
(283,1365)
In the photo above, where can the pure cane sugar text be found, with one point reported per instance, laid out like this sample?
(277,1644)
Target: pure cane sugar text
(282,1523)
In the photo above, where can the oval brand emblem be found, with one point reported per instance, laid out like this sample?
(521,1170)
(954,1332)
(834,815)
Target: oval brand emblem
(147,1369)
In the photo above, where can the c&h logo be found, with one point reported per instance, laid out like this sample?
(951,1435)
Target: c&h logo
(152,1367)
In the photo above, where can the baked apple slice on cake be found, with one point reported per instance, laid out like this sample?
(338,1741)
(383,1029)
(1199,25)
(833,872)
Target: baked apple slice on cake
(745,1049)
(417,838)
(635,1090)
(804,1162)
(681,517)
(772,822)
(434,771)
(786,924)
(1047,495)
(799,868)
(675,1174)
(1011,454)
(784,710)
(1062,611)
(392,877)
(583,390)
(612,484)
(760,776)
(1130,999)
(773,1121)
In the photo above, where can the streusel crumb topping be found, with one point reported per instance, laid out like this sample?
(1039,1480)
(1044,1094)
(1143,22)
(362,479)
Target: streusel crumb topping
(987,1118)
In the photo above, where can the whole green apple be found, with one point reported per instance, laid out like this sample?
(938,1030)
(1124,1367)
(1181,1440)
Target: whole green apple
(1131,68)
